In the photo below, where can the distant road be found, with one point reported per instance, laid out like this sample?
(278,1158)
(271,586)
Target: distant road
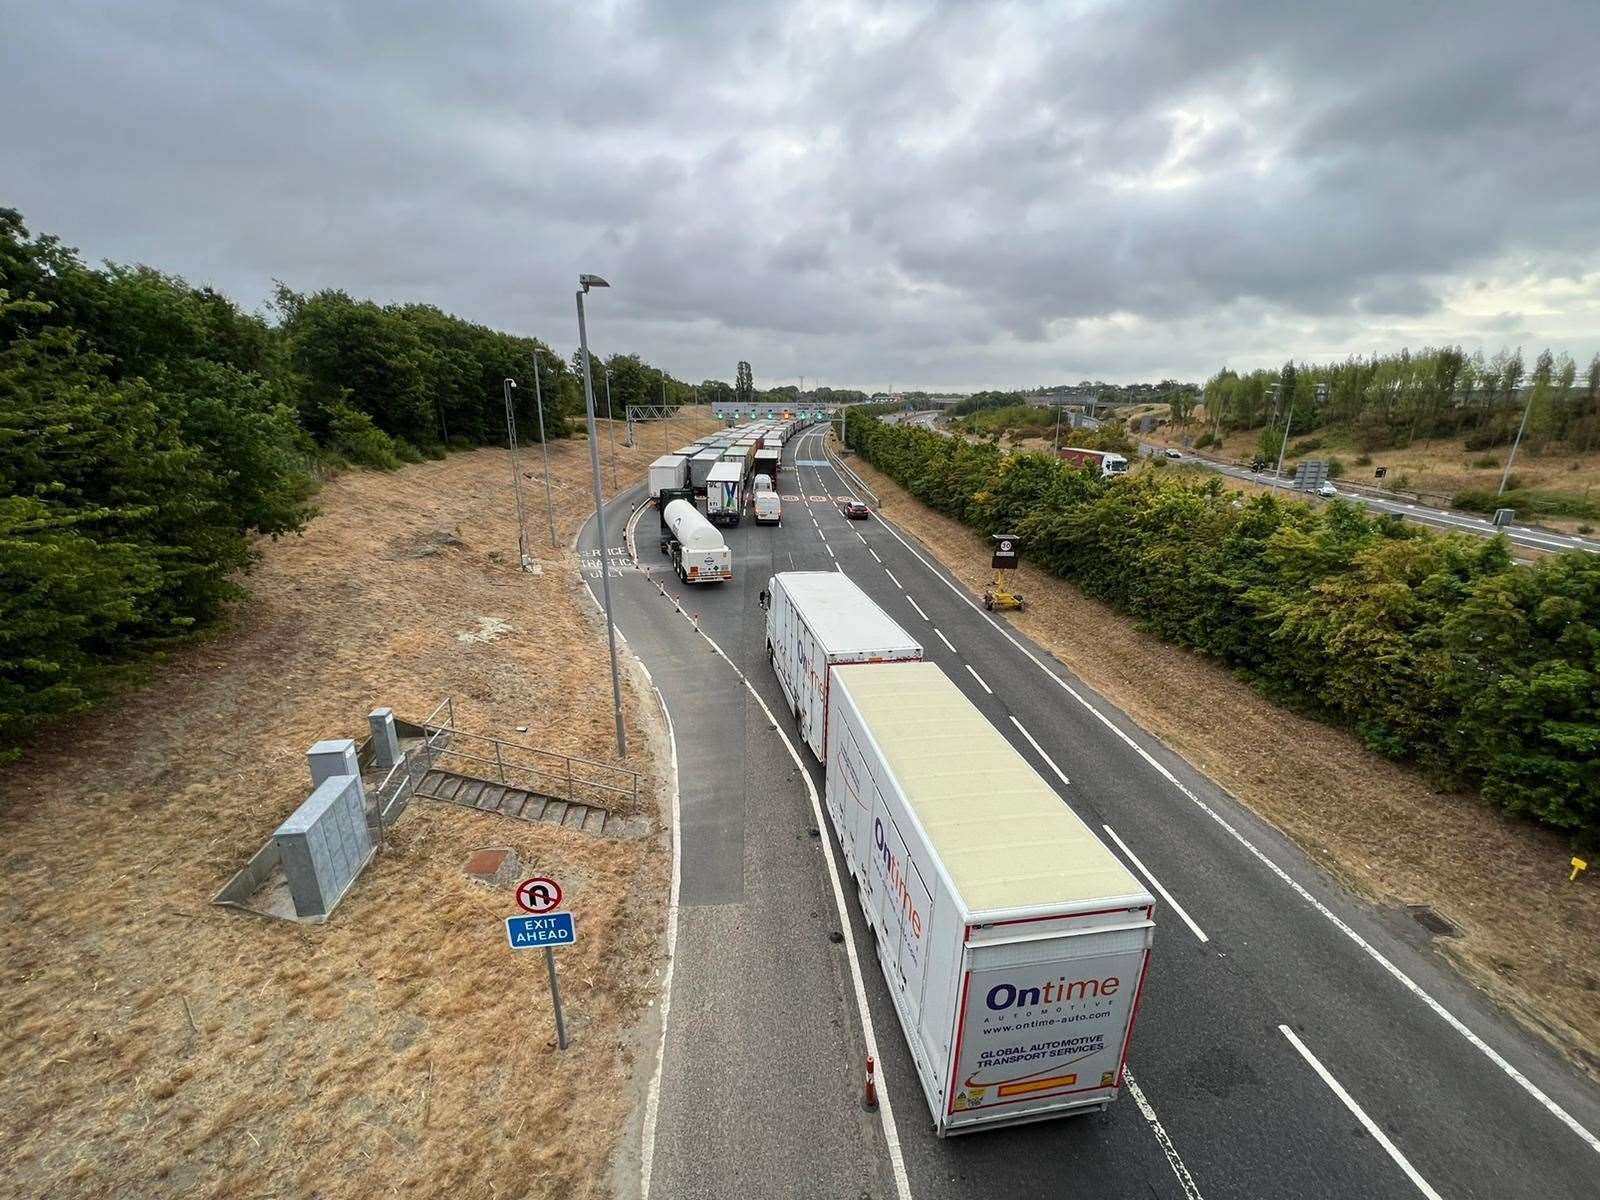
(1451,520)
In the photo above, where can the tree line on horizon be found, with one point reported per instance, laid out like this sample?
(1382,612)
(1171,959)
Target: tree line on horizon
(151,431)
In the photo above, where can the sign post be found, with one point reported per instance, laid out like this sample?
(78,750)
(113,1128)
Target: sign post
(545,928)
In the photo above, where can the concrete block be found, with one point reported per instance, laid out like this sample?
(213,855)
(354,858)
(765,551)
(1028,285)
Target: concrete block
(324,845)
(385,741)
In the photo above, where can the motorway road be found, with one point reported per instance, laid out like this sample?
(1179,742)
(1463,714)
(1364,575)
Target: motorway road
(1293,1040)
(1448,520)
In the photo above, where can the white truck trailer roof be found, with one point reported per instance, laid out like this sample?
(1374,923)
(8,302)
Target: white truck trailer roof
(842,616)
(1006,839)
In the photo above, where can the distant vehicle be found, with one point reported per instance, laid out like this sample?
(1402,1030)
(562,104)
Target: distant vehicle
(1259,465)
(817,620)
(1108,462)
(761,483)
(667,472)
(698,553)
(855,510)
(768,507)
(1015,945)
(1174,453)
(1327,490)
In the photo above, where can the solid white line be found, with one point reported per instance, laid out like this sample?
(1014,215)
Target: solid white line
(973,673)
(1156,883)
(891,1136)
(918,607)
(1039,750)
(949,647)
(1405,981)
(652,1102)
(1371,1126)
(1185,1180)
(893,580)
(874,553)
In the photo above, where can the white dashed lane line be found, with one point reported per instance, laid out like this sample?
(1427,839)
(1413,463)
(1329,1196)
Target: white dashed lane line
(950,648)
(829,549)
(892,579)
(1037,749)
(874,553)
(863,540)
(1156,883)
(968,666)
(1367,1122)
(920,613)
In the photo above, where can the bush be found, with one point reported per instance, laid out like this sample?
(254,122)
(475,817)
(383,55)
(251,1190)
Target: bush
(353,436)
(1528,502)
(1335,467)
(1305,446)
(1436,649)
(1204,440)
(1364,460)
(1485,463)
(406,452)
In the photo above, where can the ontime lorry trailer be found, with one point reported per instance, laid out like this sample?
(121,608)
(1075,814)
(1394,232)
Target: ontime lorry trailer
(1015,945)
(698,553)
(1105,461)
(815,620)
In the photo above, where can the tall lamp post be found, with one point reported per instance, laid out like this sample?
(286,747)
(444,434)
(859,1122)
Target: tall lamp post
(611,433)
(544,445)
(585,282)
(516,475)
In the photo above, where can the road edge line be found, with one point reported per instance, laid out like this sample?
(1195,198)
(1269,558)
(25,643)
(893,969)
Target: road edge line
(652,1102)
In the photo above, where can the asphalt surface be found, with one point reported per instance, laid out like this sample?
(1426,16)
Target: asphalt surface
(1252,1045)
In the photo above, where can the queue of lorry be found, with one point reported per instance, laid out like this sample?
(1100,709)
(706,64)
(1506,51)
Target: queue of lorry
(1015,945)
(731,471)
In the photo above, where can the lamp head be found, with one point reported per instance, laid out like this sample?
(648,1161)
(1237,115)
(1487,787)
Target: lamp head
(591,281)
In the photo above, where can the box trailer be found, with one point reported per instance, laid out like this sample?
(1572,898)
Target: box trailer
(1015,945)
(700,466)
(769,459)
(698,553)
(1107,462)
(816,619)
(669,471)
(725,493)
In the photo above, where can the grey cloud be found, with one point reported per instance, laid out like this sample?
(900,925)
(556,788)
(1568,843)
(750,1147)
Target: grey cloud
(949,194)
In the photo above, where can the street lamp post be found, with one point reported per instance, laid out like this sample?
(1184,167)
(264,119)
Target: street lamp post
(585,282)
(611,433)
(1058,430)
(544,445)
(516,476)
(1517,441)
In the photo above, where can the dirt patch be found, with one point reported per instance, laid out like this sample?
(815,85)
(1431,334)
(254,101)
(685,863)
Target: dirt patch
(1527,937)
(156,1045)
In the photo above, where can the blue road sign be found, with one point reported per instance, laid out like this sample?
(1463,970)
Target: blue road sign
(552,929)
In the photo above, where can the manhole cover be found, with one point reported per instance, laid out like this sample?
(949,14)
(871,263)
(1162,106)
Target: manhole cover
(1425,916)
(495,865)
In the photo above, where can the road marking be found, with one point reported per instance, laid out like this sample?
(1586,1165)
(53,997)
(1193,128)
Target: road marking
(1156,883)
(1405,981)
(949,647)
(970,671)
(1370,1125)
(822,535)
(1038,749)
(1185,1180)
(863,540)
(829,549)
(892,579)
(874,553)
(891,1136)
(918,607)
(652,1102)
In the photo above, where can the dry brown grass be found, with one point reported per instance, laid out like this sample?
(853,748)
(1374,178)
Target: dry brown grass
(155,1045)
(1528,938)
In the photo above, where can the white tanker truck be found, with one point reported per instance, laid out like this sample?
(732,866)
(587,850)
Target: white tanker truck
(698,553)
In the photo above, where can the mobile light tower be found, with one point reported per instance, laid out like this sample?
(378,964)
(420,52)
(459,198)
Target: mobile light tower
(585,282)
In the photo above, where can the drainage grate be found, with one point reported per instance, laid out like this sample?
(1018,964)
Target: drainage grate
(1430,920)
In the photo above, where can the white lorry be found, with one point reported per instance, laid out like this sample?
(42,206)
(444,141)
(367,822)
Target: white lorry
(1014,943)
(725,493)
(698,553)
(816,619)
(700,467)
(668,471)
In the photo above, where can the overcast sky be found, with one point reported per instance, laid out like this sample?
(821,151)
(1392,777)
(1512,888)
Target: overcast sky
(947,195)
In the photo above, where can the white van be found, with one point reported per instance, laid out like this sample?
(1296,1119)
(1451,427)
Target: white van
(769,509)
